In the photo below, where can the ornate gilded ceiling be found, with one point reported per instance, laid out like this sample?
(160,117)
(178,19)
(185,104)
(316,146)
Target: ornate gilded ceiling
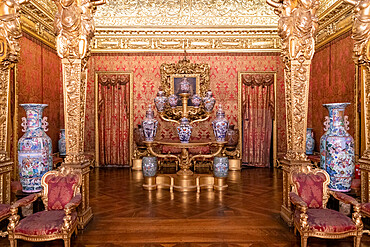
(175,25)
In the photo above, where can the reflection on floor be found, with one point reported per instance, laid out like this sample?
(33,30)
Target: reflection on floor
(247,214)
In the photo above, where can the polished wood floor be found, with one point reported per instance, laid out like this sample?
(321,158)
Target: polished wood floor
(247,214)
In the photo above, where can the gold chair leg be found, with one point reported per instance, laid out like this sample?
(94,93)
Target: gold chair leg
(13,243)
(303,241)
(357,241)
(67,243)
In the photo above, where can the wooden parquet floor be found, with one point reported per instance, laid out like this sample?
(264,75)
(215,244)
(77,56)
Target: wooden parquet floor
(246,215)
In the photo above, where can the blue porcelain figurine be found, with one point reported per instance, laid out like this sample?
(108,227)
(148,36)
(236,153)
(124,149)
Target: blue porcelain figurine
(184,130)
(339,150)
(34,150)
(220,167)
(220,125)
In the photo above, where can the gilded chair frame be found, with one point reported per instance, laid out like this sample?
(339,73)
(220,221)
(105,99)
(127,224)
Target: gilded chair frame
(240,113)
(131,111)
(303,227)
(68,228)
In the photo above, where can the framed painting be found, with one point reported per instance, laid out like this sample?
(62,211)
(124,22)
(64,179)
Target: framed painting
(176,79)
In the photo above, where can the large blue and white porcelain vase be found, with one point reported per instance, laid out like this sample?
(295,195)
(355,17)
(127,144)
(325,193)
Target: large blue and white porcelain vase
(310,142)
(150,125)
(184,130)
(220,125)
(149,166)
(220,166)
(34,150)
(62,143)
(339,147)
(323,143)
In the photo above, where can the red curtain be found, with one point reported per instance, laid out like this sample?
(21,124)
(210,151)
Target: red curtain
(114,120)
(258,112)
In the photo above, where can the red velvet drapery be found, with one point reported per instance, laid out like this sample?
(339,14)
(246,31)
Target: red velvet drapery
(258,107)
(114,120)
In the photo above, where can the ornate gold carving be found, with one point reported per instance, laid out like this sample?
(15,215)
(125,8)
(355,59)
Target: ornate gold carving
(37,20)
(74,27)
(74,88)
(177,13)
(4,108)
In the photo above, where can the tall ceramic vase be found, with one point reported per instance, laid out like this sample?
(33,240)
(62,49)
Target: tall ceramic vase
(34,150)
(339,150)
(310,142)
(62,143)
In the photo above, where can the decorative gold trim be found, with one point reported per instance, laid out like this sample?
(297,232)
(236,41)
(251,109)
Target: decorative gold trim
(131,112)
(240,113)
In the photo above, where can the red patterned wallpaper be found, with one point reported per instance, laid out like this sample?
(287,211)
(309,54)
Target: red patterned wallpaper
(223,83)
(39,81)
(332,81)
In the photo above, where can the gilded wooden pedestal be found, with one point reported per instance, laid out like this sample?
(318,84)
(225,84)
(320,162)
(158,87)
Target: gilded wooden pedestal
(6,168)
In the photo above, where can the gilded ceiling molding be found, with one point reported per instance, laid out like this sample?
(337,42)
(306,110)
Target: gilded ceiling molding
(37,18)
(167,26)
(335,19)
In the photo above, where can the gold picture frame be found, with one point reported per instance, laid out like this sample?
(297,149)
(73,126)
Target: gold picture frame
(131,111)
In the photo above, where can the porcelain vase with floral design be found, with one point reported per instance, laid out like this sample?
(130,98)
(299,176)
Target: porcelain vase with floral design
(220,125)
(196,100)
(160,101)
(323,143)
(184,130)
(339,150)
(220,167)
(310,141)
(34,150)
(172,100)
(62,143)
(149,166)
(150,125)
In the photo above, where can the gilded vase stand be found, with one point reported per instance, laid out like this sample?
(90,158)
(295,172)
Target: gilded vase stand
(185,180)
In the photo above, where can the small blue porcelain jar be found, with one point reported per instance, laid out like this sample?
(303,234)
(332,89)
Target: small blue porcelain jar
(150,166)
(184,130)
(310,142)
(221,167)
(62,143)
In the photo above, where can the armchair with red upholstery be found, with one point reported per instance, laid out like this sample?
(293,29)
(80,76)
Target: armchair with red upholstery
(311,218)
(61,196)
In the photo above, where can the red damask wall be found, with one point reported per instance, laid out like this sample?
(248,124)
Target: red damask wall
(332,81)
(223,82)
(39,81)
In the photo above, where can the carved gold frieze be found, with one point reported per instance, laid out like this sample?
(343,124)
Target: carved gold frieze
(175,13)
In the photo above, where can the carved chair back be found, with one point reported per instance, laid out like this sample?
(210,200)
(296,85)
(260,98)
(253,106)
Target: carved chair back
(311,185)
(59,187)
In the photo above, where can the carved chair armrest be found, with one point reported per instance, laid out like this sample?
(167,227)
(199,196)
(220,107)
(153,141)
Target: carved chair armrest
(73,203)
(344,198)
(297,200)
(26,200)
(67,220)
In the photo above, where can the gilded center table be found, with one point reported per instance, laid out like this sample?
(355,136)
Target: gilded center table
(185,179)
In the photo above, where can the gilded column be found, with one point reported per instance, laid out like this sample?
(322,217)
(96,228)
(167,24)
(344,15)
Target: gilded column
(296,27)
(10,32)
(361,57)
(74,28)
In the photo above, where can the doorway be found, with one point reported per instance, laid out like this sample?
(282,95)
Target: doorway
(113,118)
(257,118)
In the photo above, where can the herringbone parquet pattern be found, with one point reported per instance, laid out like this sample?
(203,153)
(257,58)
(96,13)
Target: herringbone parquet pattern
(246,215)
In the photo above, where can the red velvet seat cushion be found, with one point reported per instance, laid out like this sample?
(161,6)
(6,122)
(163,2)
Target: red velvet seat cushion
(4,209)
(327,220)
(43,223)
(310,188)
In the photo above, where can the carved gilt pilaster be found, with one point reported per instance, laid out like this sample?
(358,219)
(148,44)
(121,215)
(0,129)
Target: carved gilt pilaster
(4,111)
(297,28)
